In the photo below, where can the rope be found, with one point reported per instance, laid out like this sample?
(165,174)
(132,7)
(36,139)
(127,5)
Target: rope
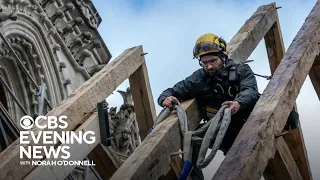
(215,130)
(165,112)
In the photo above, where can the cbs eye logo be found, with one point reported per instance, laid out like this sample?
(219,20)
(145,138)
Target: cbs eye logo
(26,122)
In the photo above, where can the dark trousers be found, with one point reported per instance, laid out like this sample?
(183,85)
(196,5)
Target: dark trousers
(231,134)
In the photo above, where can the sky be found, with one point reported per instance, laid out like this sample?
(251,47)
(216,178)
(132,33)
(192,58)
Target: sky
(168,30)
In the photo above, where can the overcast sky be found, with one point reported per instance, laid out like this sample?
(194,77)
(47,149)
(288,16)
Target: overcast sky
(168,30)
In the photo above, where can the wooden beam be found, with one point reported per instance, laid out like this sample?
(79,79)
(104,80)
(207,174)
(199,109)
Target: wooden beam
(314,75)
(287,158)
(106,160)
(143,100)
(316,61)
(176,168)
(151,159)
(177,165)
(275,49)
(169,176)
(250,34)
(276,169)
(315,80)
(75,107)
(295,142)
(274,44)
(284,169)
(254,146)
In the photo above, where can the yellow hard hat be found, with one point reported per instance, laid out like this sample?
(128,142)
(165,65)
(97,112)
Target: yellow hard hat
(209,43)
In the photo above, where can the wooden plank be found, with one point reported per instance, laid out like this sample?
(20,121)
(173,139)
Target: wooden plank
(274,44)
(169,176)
(314,75)
(276,169)
(316,61)
(250,34)
(75,107)
(176,165)
(284,169)
(143,100)
(287,158)
(295,142)
(276,50)
(106,160)
(254,145)
(152,157)
(77,152)
(176,168)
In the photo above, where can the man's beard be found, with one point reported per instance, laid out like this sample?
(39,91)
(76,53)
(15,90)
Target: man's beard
(215,72)
(212,72)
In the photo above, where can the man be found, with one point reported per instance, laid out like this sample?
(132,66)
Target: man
(219,82)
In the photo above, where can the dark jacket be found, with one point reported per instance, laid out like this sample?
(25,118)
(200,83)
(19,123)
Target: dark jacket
(201,86)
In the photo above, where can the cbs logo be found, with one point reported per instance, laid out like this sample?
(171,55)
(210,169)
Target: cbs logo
(27,122)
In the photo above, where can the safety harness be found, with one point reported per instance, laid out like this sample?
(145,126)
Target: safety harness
(214,130)
(218,91)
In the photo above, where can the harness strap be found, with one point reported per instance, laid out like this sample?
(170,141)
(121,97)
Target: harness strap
(211,110)
(232,74)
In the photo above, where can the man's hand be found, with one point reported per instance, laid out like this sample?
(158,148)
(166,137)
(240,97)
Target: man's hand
(233,105)
(168,100)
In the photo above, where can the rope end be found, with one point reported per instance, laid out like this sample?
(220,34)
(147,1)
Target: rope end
(150,130)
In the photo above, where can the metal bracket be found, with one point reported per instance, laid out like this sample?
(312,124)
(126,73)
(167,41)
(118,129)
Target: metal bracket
(267,77)
(249,61)
(281,134)
(104,124)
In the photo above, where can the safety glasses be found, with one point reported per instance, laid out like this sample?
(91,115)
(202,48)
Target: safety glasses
(212,62)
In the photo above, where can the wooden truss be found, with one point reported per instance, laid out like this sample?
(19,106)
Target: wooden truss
(258,149)
(260,152)
(78,108)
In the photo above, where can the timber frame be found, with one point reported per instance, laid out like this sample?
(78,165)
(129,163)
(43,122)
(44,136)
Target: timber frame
(260,148)
(277,159)
(130,64)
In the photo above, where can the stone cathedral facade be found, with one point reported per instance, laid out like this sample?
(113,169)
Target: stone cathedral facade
(48,48)
(59,46)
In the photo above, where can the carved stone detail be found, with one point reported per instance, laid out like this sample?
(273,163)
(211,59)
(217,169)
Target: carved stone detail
(46,2)
(88,13)
(124,128)
(57,15)
(46,33)
(28,54)
(6,14)
(96,68)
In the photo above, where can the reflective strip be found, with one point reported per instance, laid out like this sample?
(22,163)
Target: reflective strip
(221,88)
(211,110)
(229,92)
(236,89)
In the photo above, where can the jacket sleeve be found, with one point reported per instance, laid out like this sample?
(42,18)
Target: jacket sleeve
(249,94)
(183,90)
